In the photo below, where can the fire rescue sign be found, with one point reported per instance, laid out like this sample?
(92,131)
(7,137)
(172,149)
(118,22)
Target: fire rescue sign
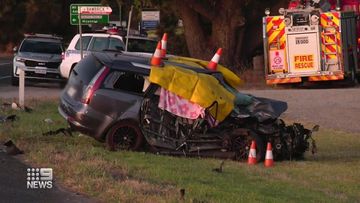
(277,60)
(303,62)
(303,51)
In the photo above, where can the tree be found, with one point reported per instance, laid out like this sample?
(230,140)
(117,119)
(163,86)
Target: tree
(11,18)
(234,25)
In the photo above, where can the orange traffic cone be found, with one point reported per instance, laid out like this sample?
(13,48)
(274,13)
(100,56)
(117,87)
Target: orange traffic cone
(269,160)
(156,58)
(163,45)
(215,60)
(252,153)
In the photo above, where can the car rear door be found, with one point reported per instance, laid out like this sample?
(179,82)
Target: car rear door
(80,78)
(121,95)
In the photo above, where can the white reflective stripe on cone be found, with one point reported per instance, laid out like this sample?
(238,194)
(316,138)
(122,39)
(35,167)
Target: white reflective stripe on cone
(157,53)
(216,58)
(252,153)
(163,44)
(269,155)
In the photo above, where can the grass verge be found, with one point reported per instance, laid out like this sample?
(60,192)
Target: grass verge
(83,165)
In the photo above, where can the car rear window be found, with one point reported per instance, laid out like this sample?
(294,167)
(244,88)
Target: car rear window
(141,45)
(126,81)
(44,47)
(86,69)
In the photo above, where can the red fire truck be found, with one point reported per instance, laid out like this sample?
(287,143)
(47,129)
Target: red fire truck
(312,41)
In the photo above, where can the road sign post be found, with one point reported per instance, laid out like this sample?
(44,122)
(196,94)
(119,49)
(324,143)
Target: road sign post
(92,13)
(80,33)
(85,14)
(21,87)
(128,28)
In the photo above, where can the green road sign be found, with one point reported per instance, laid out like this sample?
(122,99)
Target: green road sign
(89,19)
(86,18)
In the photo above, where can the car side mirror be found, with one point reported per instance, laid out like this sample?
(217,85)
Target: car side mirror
(15,49)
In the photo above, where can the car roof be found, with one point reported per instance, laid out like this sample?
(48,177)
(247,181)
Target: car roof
(121,61)
(37,35)
(135,63)
(43,39)
(98,34)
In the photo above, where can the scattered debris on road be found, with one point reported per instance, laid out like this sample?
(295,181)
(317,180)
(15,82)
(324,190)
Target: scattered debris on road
(64,131)
(48,121)
(11,118)
(182,194)
(15,106)
(12,149)
(220,169)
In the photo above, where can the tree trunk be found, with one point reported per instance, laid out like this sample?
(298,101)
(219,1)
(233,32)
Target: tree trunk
(225,18)
(229,30)
(194,34)
(224,29)
(253,34)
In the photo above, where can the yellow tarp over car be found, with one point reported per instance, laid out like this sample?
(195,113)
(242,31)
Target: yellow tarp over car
(230,77)
(199,88)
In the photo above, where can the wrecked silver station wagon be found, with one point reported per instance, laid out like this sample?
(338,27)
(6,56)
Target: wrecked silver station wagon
(176,109)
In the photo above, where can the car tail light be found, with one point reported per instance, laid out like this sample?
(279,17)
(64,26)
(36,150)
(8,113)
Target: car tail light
(94,85)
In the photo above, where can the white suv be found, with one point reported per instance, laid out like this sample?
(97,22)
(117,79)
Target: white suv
(92,42)
(39,55)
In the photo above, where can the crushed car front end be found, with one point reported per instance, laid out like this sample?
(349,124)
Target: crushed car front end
(218,132)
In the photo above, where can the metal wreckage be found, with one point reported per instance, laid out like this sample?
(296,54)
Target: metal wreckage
(228,122)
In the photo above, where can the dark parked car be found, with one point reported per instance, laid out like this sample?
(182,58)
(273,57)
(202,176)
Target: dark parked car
(109,97)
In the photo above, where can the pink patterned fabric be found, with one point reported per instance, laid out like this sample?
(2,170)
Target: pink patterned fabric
(179,106)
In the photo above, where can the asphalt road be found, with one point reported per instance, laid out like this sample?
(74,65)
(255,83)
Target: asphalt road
(13,172)
(5,70)
(13,185)
(32,90)
(330,108)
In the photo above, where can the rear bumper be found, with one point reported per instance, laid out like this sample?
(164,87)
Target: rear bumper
(295,78)
(73,123)
(84,119)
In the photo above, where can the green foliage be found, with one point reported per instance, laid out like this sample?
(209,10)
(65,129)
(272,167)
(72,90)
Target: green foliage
(52,17)
(34,16)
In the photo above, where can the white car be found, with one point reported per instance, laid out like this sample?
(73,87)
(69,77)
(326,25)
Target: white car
(137,45)
(92,42)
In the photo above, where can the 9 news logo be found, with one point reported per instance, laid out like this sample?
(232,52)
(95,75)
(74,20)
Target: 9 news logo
(39,178)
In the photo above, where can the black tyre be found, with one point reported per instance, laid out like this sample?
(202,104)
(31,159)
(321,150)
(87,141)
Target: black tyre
(241,146)
(125,135)
(14,81)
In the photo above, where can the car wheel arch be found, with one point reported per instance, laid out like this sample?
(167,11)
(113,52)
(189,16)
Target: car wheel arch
(131,123)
